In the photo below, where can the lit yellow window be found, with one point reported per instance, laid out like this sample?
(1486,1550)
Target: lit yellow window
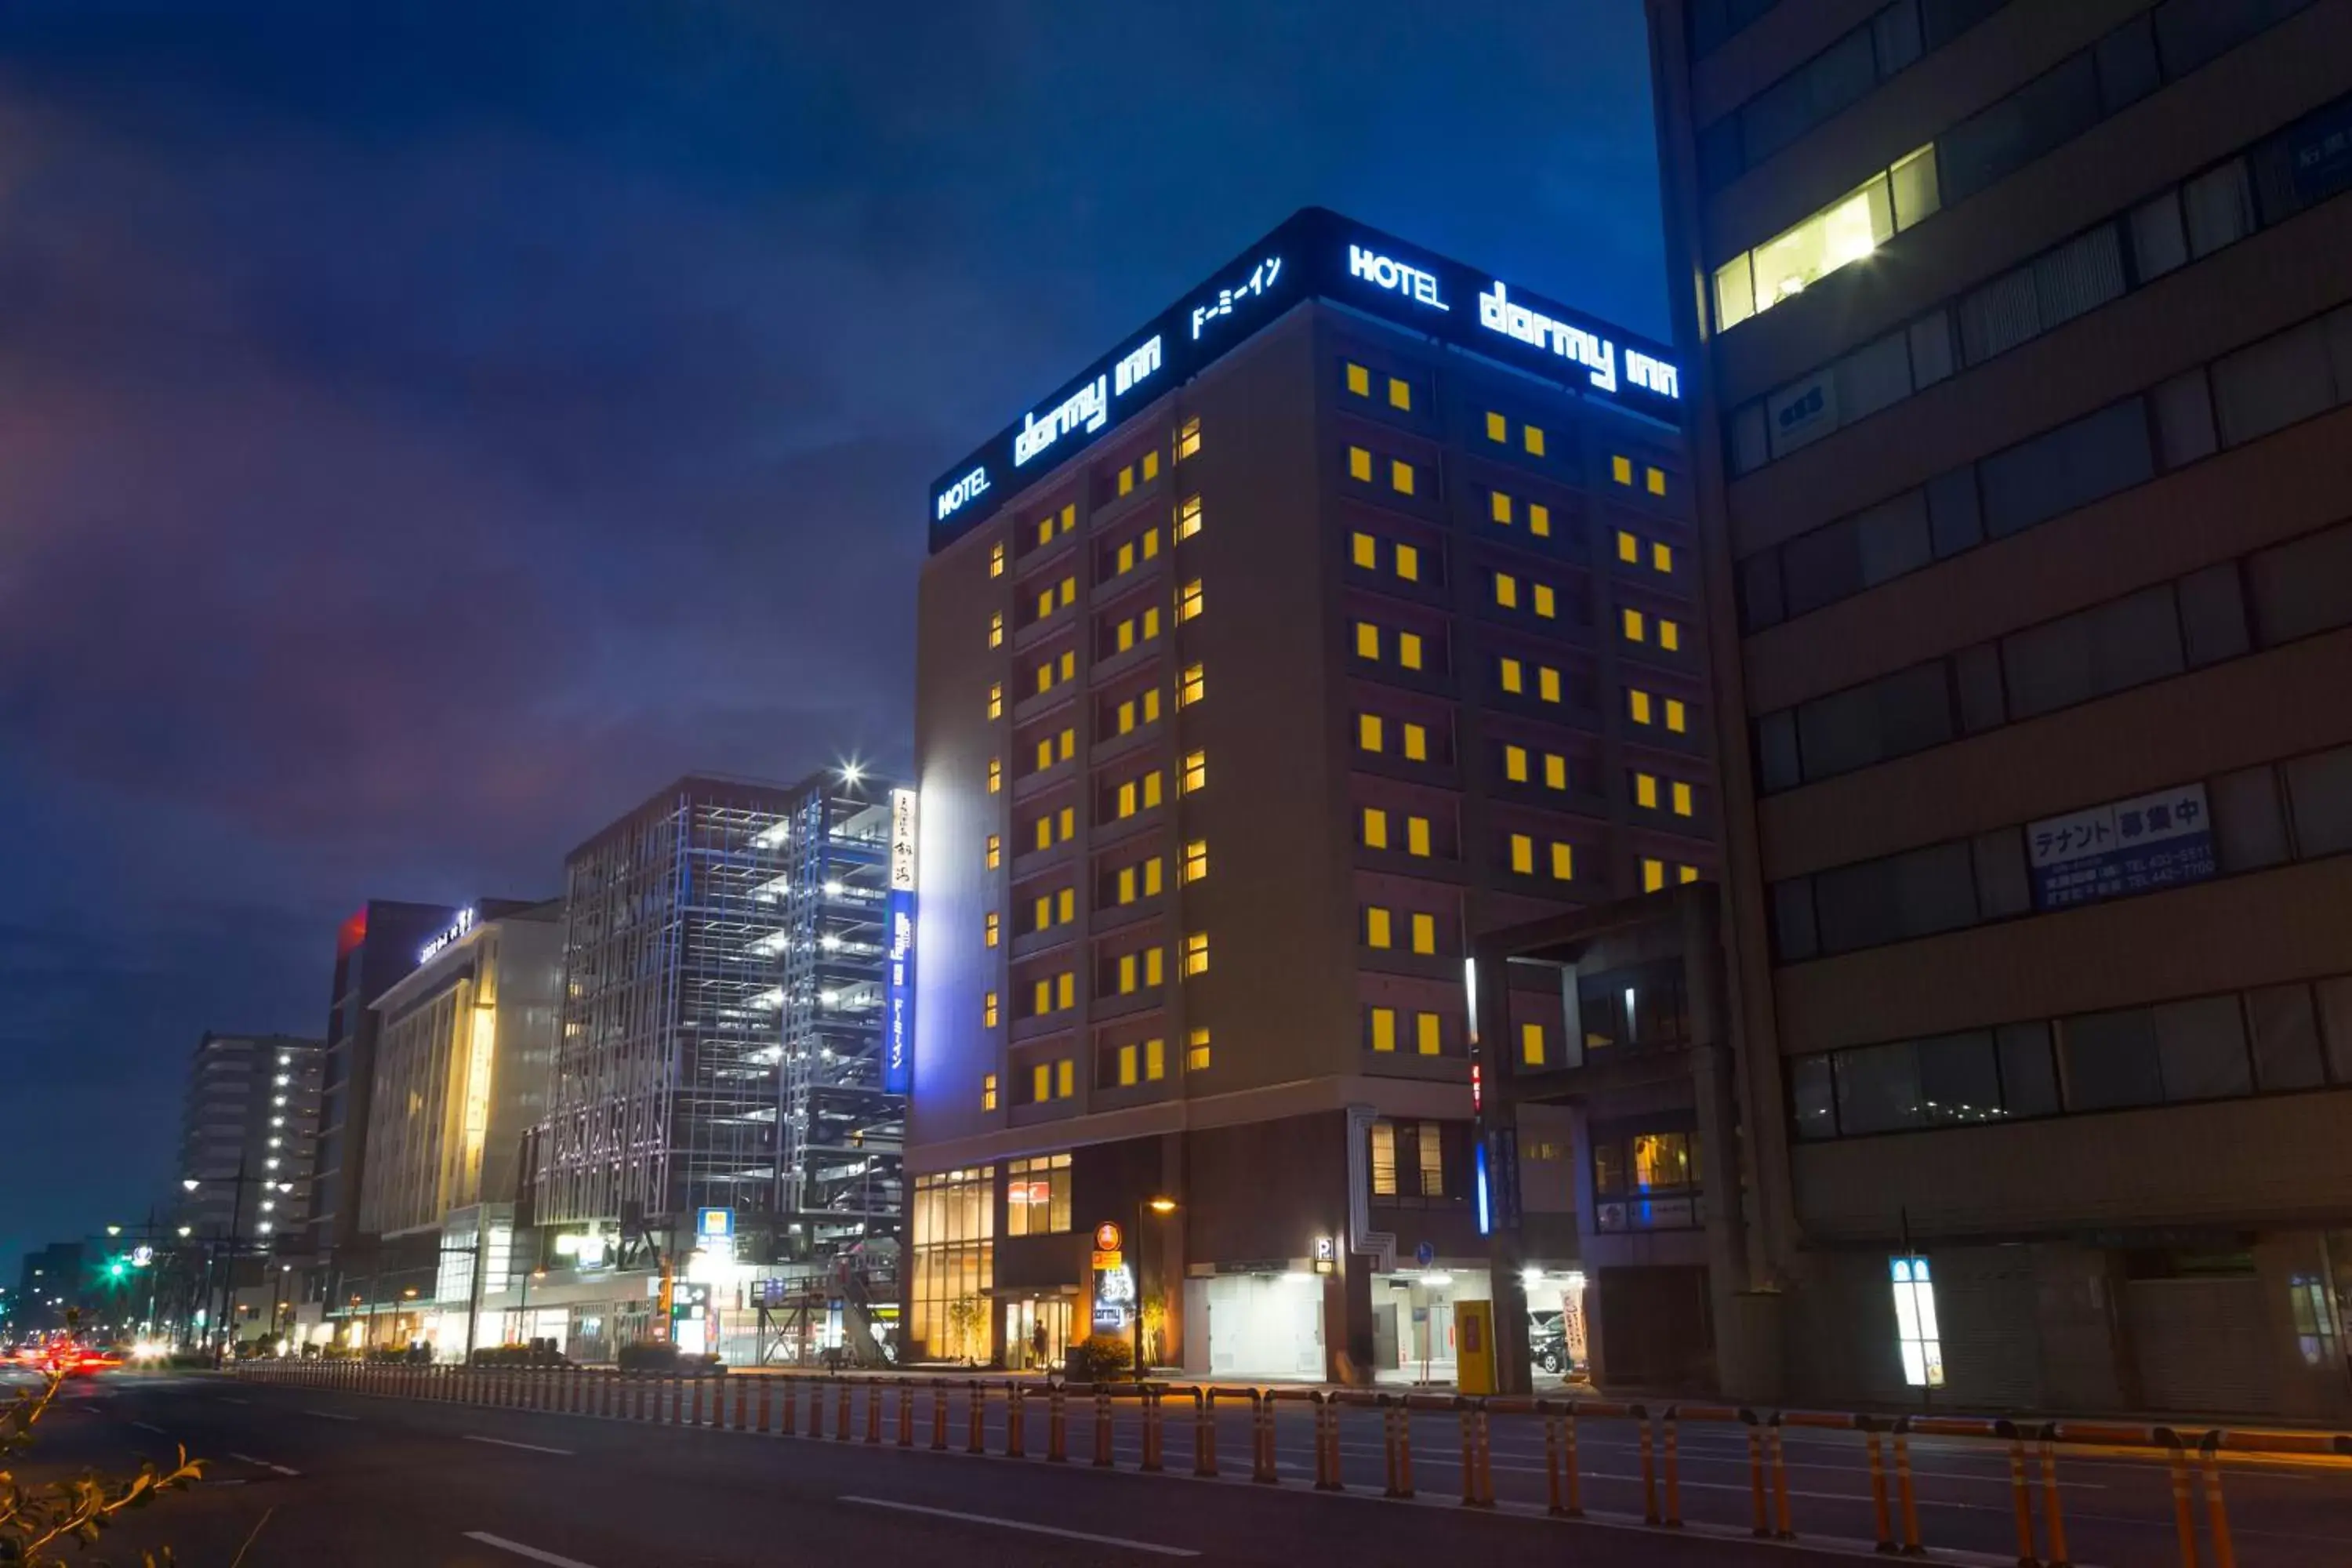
(1067,820)
(1629,548)
(1522,854)
(1151,465)
(1126,716)
(1364,551)
(1068,663)
(1376,927)
(1401,476)
(996,630)
(1409,649)
(1368,731)
(988,1010)
(1621,469)
(1188,518)
(1046,677)
(1498,506)
(1069,591)
(1151,877)
(1416,835)
(1150,705)
(1069,519)
(996,560)
(1670,636)
(1189,601)
(1126,894)
(1065,990)
(1196,1051)
(1498,428)
(1535,439)
(1424,933)
(1368,640)
(1555,771)
(1428,1033)
(1041,1083)
(1066,901)
(1635,629)
(1045,531)
(1662,557)
(1125,1064)
(995,774)
(1066,745)
(1126,634)
(1125,561)
(1376,829)
(1151,623)
(1563,862)
(1045,913)
(1191,685)
(1514,677)
(1686,873)
(1514,763)
(1408,562)
(1677,720)
(1539,519)
(995,855)
(1399,394)
(1384,1027)
(989,928)
(1155,1052)
(1637,705)
(1546,602)
(1127,799)
(1126,973)
(1065,1076)
(988,1091)
(1657,481)
(1150,543)
(1196,859)
(1126,479)
(996,699)
(1416,744)
(1359,381)
(1548,684)
(1187,439)
(1653,875)
(1041,995)
(1196,952)
(1507,590)
(1360,464)
(1683,805)
(1196,771)
(1044,604)
(1045,833)
(1531,1045)
(1646,790)
(1151,788)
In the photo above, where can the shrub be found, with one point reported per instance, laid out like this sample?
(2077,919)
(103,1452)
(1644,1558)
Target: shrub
(1099,1358)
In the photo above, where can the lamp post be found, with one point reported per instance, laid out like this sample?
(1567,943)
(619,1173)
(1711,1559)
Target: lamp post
(227,1339)
(1161,1206)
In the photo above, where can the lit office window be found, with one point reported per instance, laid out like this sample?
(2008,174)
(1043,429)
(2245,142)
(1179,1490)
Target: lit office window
(1653,875)
(988,1010)
(1428,1034)
(995,774)
(1376,827)
(1376,928)
(1621,469)
(1683,802)
(1506,591)
(989,928)
(1192,687)
(1416,836)
(1368,731)
(1539,519)
(1383,1160)
(988,1091)
(1188,518)
(1196,771)
(1368,640)
(1677,718)
(1628,549)
(1662,557)
(1408,562)
(1531,1045)
(1916,1332)
(1401,479)
(1364,551)
(1534,441)
(1360,380)
(1646,790)
(1637,707)
(1498,428)
(1188,600)
(996,699)
(996,560)
(1498,507)
(1523,854)
(1670,634)
(1636,626)
(1657,481)
(1409,649)
(1514,763)
(1359,465)
(1399,394)
(1187,438)
(1544,601)
(1383,1028)
(1196,1051)
(1196,859)
(1416,744)
(996,629)
(1196,953)
(1563,862)
(1424,933)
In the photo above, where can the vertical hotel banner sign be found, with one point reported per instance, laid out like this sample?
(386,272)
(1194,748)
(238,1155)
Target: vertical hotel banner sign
(898,1015)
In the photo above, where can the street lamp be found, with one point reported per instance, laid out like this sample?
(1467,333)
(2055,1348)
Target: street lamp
(1160,1206)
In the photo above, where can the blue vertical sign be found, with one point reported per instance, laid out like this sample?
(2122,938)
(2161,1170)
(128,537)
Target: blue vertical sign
(898,1010)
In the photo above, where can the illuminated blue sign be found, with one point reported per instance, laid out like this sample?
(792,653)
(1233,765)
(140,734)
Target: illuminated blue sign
(898,980)
(1315,255)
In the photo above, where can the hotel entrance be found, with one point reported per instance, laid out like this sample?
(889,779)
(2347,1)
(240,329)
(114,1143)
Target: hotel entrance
(1023,1319)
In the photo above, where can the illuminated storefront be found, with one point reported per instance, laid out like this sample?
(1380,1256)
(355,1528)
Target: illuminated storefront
(953,1226)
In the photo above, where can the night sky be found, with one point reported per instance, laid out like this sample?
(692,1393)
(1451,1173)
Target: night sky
(421,438)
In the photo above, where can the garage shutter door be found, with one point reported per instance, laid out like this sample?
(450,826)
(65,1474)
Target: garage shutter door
(1992,1343)
(2200,1345)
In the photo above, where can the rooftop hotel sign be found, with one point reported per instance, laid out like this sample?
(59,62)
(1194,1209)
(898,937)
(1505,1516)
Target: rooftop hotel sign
(1316,254)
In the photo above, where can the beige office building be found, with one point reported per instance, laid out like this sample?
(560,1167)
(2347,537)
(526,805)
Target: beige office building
(2022,355)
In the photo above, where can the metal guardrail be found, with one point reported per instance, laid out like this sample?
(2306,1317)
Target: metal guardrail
(772,1404)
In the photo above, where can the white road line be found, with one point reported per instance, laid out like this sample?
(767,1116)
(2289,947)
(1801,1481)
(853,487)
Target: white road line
(505,1443)
(330,1416)
(224,1399)
(144,1427)
(1024,1524)
(249,1459)
(520,1550)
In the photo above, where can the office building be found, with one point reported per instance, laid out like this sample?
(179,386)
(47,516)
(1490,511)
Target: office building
(719,1059)
(1344,610)
(375,946)
(252,1115)
(2020,342)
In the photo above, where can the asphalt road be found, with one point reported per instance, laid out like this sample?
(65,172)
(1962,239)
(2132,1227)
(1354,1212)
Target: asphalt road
(329,1476)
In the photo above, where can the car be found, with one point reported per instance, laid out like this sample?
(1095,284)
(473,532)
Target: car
(1548,1341)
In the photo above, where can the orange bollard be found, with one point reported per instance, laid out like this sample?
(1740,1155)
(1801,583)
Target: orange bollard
(1907,1497)
(1572,1474)
(1102,1428)
(1151,1419)
(2184,1515)
(905,1414)
(976,1439)
(1403,1451)
(1762,1526)
(1327,1445)
(1674,1519)
(1057,1430)
(742,1405)
(841,1411)
(1649,1470)
(938,1416)
(767,1404)
(2020,1494)
(1204,1433)
(2216,1518)
(1262,1469)
(1016,1424)
(696,1418)
(1783,1529)
(2053,1516)
(873,1411)
(792,1406)
(1878,1515)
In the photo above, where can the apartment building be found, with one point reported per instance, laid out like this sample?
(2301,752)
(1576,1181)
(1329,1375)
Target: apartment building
(2020,354)
(1342,611)
(247,1134)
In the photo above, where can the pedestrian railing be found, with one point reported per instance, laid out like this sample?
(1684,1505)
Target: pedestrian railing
(916,1408)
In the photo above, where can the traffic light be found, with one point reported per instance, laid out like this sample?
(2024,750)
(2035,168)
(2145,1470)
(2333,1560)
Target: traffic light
(116,1267)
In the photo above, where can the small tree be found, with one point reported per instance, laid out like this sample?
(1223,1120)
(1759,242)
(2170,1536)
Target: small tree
(37,1520)
(1154,1312)
(965,1315)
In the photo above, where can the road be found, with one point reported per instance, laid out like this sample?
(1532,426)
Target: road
(365,1480)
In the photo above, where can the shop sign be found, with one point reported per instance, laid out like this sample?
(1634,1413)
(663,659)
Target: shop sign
(2137,846)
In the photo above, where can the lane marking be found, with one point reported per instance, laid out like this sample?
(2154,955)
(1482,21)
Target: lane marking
(520,1550)
(330,1416)
(249,1459)
(224,1399)
(1022,1524)
(145,1427)
(507,1443)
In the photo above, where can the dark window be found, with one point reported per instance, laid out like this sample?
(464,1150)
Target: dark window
(2202,1045)
(2306,586)
(1894,716)
(1879,1089)
(1811,1088)
(2110,1060)
(2070,467)
(2189,33)
(2319,790)
(2029,1079)
(2286,1038)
